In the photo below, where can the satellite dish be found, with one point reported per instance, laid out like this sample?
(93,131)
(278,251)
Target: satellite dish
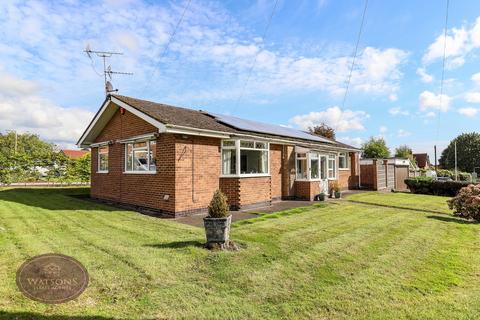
(109,87)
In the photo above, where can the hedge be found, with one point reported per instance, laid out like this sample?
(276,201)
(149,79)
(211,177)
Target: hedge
(423,185)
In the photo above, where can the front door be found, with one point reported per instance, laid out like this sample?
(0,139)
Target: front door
(323,174)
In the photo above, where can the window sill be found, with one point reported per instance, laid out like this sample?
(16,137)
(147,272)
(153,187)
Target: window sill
(139,172)
(245,175)
(343,169)
(102,171)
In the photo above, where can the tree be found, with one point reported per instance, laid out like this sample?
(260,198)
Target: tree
(468,153)
(323,130)
(375,148)
(404,151)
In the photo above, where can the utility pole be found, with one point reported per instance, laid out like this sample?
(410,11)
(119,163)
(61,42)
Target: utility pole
(456,171)
(435,152)
(107,70)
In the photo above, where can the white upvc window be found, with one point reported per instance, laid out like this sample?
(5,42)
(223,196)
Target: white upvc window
(343,160)
(140,157)
(332,172)
(302,166)
(102,166)
(245,158)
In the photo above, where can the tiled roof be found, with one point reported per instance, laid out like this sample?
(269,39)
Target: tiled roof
(198,119)
(75,154)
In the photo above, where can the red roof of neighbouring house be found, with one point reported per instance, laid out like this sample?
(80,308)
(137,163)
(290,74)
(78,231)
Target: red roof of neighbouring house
(75,154)
(422,159)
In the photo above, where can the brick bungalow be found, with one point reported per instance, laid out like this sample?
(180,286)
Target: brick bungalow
(171,160)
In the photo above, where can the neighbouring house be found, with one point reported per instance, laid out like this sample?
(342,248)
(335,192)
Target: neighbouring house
(172,159)
(422,160)
(74,154)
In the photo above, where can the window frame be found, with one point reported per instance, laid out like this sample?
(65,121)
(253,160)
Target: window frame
(347,160)
(237,147)
(98,158)
(331,157)
(147,149)
(328,157)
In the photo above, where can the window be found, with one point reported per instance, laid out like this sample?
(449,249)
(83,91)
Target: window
(253,157)
(302,166)
(331,166)
(314,166)
(343,160)
(244,157)
(103,159)
(229,157)
(141,156)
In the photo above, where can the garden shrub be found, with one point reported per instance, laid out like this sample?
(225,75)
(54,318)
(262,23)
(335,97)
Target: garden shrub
(426,185)
(218,207)
(466,203)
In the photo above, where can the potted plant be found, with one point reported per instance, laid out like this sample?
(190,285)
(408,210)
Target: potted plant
(321,196)
(336,190)
(217,223)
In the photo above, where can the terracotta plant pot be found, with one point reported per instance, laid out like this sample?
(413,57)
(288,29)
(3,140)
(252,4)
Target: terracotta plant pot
(217,230)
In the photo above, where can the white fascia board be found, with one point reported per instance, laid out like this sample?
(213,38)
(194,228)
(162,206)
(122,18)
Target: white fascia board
(161,127)
(143,137)
(92,124)
(196,132)
(141,115)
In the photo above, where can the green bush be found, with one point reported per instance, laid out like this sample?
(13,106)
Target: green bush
(425,185)
(462,176)
(466,203)
(218,207)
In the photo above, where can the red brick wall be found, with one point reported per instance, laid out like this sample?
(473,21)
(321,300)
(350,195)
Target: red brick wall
(146,190)
(288,172)
(246,191)
(197,171)
(348,179)
(307,190)
(276,170)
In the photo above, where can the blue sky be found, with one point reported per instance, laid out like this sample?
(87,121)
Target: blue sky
(49,86)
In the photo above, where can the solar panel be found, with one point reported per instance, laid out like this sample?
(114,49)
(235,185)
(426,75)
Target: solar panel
(255,126)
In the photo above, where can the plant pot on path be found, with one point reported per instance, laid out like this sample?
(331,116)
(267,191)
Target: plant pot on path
(337,194)
(217,224)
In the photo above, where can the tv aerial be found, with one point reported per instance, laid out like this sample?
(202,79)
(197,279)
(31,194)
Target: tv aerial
(107,70)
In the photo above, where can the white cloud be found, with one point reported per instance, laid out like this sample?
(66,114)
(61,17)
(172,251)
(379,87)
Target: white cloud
(341,120)
(403,133)
(356,142)
(393,97)
(469,112)
(429,100)
(24,110)
(460,42)
(383,129)
(472,97)
(397,111)
(424,76)
(476,78)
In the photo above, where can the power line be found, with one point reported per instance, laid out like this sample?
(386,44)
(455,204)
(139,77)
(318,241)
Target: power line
(170,40)
(256,55)
(349,78)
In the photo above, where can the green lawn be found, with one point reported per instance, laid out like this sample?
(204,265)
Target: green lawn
(404,200)
(339,261)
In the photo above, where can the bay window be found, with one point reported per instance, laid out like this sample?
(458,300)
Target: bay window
(244,157)
(103,159)
(140,156)
(343,160)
